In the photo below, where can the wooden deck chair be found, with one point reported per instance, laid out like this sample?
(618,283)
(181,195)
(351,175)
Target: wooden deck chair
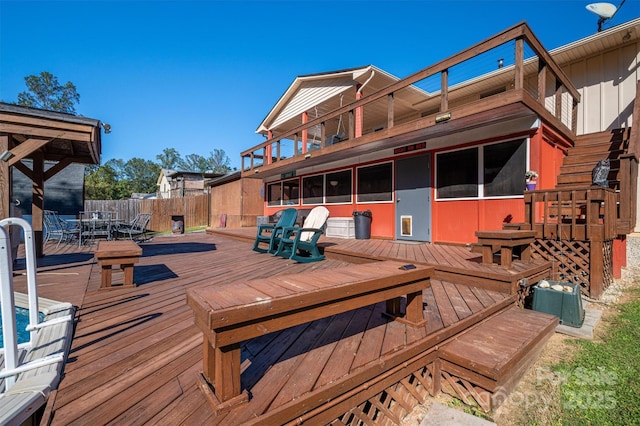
(270,233)
(301,244)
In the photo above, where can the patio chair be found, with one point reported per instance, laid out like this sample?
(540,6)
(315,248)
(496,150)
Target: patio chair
(57,229)
(136,228)
(270,233)
(301,244)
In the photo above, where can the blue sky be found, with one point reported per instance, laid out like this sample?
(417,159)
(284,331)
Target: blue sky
(202,75)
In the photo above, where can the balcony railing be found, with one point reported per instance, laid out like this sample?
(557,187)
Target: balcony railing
(457,87)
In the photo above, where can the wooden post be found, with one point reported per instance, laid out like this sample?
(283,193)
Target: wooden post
(37,204)
(519,74)
(227,372)
(359,113)
(444,90)
(305,132)
(542,80)
(390,113)
(596,269)
(269,149)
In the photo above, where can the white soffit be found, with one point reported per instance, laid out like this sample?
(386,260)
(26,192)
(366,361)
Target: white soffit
(311,93)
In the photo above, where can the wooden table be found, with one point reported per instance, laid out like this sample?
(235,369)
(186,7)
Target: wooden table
(505,240)
(230,313)
(124,253)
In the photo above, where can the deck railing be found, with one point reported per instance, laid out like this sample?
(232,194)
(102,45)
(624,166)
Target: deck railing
(531,77)
(583,214)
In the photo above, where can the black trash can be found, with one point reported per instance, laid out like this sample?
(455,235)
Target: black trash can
(362,224)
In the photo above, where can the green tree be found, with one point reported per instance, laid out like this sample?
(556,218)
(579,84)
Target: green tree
(100,183)
(141,175)
(194,163)
(45,92)
(169,159)
(218,161)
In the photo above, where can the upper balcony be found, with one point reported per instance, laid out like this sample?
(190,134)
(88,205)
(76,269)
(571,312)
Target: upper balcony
(507,77)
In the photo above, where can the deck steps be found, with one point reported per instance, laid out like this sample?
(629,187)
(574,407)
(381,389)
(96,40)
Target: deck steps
(483,365)
(581,159)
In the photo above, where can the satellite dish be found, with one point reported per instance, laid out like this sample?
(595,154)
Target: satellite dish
(603,10)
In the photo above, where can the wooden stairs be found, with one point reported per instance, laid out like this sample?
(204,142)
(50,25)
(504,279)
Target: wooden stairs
(480,366)
(575,172)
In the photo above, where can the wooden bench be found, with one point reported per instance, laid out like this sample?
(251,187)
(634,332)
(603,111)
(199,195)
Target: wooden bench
(124,253)
(505,240)
(231,313)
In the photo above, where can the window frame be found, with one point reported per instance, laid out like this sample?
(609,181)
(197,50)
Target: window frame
(481,170)
(281,200)
(392,191)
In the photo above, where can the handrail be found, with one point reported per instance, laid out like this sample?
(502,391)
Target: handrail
(576,214)
(6,292)
(520,33)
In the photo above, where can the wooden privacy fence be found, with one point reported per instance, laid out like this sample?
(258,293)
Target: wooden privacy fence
(194,211)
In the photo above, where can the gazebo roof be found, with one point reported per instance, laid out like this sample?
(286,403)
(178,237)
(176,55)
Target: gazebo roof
(59,136)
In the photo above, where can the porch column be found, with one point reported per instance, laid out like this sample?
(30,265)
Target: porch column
(37,206)
(359,113)
(305,132)
(268,148)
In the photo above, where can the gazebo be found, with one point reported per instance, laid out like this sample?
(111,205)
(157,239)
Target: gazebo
(40,135)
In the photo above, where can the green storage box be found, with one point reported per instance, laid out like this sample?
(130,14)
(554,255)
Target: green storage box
(566,305)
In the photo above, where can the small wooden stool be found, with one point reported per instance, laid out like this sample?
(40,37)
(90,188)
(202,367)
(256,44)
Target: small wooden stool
(506,240)
(124,253)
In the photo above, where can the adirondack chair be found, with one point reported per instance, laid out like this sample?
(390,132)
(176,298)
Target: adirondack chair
(270,233)
(301,244)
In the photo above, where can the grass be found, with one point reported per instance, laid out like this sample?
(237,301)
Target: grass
(600,385)
(169,232)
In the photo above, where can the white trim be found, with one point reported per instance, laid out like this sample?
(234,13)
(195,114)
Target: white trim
(324,184)
(410,217)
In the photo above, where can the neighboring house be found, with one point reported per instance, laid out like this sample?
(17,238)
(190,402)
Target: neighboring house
(443,153)
(177,184)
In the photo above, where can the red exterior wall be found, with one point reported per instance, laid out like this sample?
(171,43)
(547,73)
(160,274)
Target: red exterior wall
(456,221)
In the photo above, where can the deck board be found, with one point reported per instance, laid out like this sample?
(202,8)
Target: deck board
(136,354)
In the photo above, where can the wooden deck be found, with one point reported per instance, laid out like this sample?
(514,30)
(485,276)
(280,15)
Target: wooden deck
(136,355)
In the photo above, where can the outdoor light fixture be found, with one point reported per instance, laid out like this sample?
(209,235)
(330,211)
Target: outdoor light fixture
(334,183)
(500,63)
(106,127)
(443,117)
(627,36)
(307,156)
(6,156)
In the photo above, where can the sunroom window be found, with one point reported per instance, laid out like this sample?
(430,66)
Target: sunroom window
(501,165)
(284,193)
(375,183)
(312,189)
(338,187)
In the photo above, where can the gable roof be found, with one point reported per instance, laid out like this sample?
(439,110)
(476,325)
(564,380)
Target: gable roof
(320,93)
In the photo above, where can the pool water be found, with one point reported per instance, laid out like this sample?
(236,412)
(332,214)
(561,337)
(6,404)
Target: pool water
(22,320)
